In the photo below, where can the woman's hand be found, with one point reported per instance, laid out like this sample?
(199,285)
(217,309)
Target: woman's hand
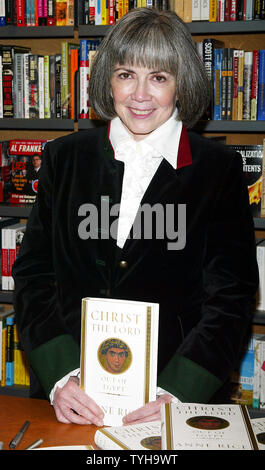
(149,412)
(72,405)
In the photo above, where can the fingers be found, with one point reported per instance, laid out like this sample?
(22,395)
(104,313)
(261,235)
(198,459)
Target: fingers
(72,405)
(149,412)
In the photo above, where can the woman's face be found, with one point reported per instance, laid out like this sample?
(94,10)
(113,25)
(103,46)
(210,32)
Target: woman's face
(143,98)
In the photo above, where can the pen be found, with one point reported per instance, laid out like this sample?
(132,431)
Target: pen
(34,444)
(13,444)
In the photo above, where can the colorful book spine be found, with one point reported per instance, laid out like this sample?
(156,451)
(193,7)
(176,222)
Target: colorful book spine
(261,87)
(4,261)
(10,321)
(254,86)
(233,10)
(240,85)
(2,13)
(248,65)
(224,83)
(41,86)
(84,77)
(47,113)
(217,84)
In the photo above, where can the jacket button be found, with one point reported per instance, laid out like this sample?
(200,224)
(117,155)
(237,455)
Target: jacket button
(123,264)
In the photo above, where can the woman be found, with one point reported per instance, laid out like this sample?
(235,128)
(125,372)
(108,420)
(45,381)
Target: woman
(149,84)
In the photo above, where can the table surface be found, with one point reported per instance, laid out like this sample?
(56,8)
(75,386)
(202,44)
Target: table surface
(15,411)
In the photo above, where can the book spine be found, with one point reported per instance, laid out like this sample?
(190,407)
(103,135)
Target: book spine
(257,364)
(2,13)
(224,83)
(227,10)
(249,10)
(73,70)
(213,11)
(33,87)
(41,86)
(230,73)
(261,87)
(7,77)
(240,10)
(84,71)
(26,86)
(20,8)
(179,8)
(254,85)
(257,9)
(205,8)
(217,84)
(10,351)
(19,370)
(3,358)
(235,86)
(104,12)
(58,101)
(11,256)
(262,10)
(70,13)
(61,12)
(248,63)
(91,11)
(240,85)
(47,114)
(196,10)
(111,12)
(221,10)
(5,246)
(52,86)
(64,80)
(51,13)
(18,86)
(233,10)
(98,13)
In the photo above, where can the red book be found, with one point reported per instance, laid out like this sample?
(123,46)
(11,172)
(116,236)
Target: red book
(20,9)
(233,10)
(111,11)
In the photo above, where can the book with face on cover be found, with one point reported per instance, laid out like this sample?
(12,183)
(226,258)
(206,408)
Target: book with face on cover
(144,436)
(193,426)
(258,425)
(118,364)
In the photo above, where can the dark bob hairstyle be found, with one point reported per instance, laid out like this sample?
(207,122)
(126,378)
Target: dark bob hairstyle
(157,40)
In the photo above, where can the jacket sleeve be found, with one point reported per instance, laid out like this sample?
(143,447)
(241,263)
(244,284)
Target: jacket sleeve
(210,351)
(47,341)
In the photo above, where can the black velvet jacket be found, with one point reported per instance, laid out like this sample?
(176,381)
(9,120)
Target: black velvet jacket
(205,290)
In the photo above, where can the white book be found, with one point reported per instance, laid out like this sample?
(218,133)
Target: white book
(41,86)
(221,10)
(195,426)
(26,86)
(15,237)
(47,113)
(262,378)
(250,9)
(196,10)
(119,341)
(143,436)
(258,339)
(205,8)
(258,425)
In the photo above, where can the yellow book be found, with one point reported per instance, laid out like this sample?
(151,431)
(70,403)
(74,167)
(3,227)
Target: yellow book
(19,369)
(61,12)
(179,8)
(213,10)
(240,85)
(187,11)
(104,12)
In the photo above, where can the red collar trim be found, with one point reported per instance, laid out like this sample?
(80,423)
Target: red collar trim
(184,151)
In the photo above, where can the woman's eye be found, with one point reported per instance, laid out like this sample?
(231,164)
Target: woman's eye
(124,75)
(159,78)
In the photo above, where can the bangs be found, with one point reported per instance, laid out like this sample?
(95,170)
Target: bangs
(151,50)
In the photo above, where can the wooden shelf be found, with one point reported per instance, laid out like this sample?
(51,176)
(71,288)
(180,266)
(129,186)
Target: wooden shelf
(36,32)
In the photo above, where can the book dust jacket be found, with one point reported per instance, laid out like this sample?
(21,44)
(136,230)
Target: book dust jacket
(118,364)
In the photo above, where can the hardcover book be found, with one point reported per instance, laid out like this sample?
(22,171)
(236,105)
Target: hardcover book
(144,436)
(193,426)
(252,156)
(258,425)
(119,341)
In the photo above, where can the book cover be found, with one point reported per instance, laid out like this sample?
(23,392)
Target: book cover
(119,341)
(252,157)
(258,425)
(15,234)
(24,161)
(258,352)
(144,436)
(261,87)
(243,377)
(192,426)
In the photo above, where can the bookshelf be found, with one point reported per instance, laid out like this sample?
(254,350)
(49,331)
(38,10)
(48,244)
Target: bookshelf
(248,35)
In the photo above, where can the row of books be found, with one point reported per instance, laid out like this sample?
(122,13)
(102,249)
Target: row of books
(238,81)
(14,366)
(36,86)
(186,427)
(95,12)
(37,12)
(248,379)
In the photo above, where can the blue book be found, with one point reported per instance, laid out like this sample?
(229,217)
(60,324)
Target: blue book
(261,87)
(218,53)
(10,321)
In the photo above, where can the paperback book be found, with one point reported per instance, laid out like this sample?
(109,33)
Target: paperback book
(119,341)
